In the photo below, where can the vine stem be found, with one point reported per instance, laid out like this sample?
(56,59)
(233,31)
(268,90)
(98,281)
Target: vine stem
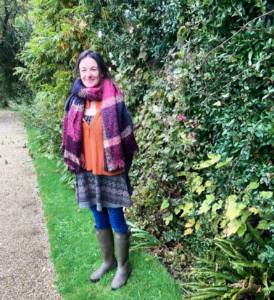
(235,34)
(238,75)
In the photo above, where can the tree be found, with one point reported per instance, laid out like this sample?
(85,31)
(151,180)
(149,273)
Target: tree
(15,30)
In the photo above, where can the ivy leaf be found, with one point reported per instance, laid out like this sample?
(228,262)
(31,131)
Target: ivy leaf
(200,189)
(222,164)
(187,208)
(177,210)
(188,231)
(234,209)
(241,230)
(190,223)
(198,180)
(263,224)
(204,164)
(232,227)
(266,195)
(165,204)
(208,183)
(255,210)
(252,186)
(218,103)
(206,204)
(217,206)
(245,215)
(168,219)
(214,157)
(197,225)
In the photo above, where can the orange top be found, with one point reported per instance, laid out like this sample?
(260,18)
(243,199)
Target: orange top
(94,144)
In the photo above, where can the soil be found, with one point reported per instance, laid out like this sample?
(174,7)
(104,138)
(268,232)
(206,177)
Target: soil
(26,271)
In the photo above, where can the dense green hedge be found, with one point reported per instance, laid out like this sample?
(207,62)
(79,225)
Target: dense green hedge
(198,79)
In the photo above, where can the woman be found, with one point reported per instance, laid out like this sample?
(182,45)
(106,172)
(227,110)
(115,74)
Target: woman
(98,146)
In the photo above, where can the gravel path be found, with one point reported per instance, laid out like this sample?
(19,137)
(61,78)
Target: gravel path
(26,271)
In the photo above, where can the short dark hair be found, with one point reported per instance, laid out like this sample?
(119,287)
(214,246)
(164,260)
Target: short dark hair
(103,69)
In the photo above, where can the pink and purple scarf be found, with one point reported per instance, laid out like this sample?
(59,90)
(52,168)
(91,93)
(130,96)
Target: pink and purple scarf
(119,140)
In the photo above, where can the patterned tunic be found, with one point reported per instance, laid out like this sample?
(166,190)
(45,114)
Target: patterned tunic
(101,190)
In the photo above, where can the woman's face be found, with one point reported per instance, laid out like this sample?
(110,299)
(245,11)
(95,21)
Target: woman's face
(89,72)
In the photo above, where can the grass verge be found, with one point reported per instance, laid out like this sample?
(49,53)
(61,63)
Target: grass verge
(74,248)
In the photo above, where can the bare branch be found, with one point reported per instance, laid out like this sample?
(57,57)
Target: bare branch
(205,58)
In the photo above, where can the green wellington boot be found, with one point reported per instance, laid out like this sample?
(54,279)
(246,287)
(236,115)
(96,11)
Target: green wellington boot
(124,269)
(106,244)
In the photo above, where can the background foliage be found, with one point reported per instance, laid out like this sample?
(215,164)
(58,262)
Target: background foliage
(198,79)
(15,30)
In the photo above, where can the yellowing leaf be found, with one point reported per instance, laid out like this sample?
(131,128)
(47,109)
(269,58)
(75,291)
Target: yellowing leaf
(233,208)
(232,227)
(218,103)
(190,223)
(223,223)
(255,210)
(217,206)
(188,231)
(200,189)
(198,180)
(197,225)
(187,209)
(206,205)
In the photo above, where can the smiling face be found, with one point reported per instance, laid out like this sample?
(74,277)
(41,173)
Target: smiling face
(89,72)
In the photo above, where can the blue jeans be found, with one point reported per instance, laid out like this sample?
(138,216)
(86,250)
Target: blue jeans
(113,217)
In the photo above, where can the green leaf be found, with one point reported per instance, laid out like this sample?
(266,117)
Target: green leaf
(206,204)
(165,204)
(245,215)
(222,164)
(198,180)
(168,219)
(214,157)
(252,186)
(263,224)
(241,230)
(264,279)
(266,195)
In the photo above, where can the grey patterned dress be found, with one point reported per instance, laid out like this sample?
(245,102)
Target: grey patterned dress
(101,190)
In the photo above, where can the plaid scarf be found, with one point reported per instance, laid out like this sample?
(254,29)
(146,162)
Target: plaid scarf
(119,140)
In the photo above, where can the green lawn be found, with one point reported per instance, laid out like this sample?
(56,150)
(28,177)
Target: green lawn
(75,252)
